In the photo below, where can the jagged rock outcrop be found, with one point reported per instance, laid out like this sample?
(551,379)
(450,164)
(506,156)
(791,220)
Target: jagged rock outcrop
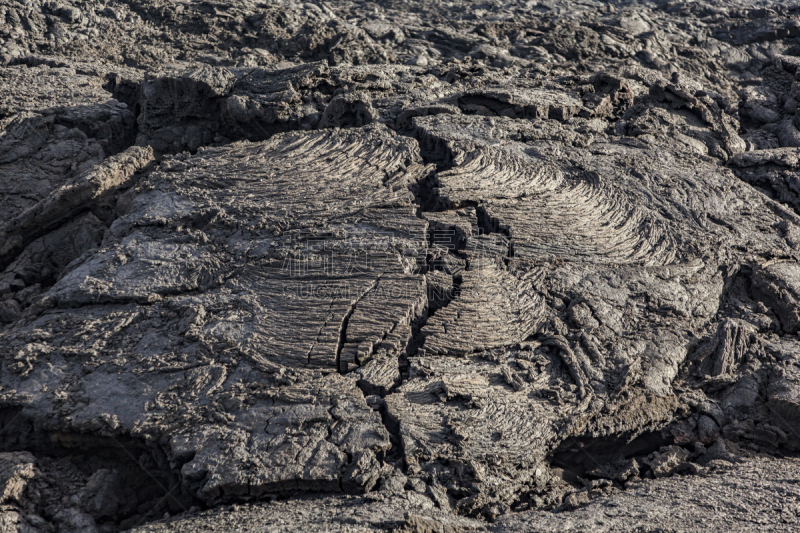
(235,310)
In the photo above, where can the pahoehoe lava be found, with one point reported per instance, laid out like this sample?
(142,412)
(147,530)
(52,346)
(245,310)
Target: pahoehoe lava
(407,266)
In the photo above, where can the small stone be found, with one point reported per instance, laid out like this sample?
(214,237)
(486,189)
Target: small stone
(707,429)
(10,311)
(394,483)
(663,464)
(16,468)
(581,316)
(417,485)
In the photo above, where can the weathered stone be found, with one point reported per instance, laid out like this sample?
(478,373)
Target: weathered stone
(16,468)
(467,261)
(664,463)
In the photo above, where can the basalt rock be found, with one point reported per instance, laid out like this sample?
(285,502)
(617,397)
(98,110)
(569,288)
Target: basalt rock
(406,266)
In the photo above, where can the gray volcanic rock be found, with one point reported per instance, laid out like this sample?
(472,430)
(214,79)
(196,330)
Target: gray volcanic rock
(645,505)
(393,511)
(233,293)
(682,503)
(400,266)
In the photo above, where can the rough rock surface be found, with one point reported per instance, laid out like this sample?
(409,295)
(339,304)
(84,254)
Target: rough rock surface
(402,266)
(720,498)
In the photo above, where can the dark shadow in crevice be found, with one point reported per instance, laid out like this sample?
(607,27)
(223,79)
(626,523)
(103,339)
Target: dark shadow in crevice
(73,464)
